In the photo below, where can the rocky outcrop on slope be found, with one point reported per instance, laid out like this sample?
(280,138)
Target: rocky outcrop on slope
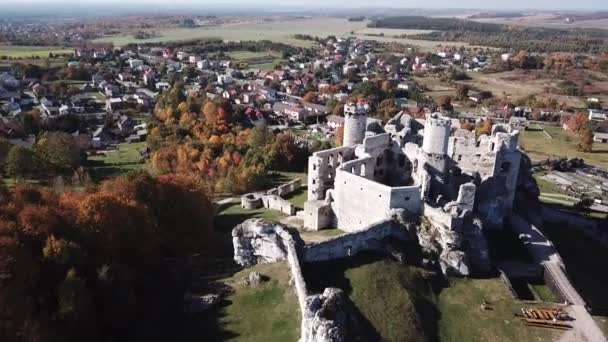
(326,317)
(257,241)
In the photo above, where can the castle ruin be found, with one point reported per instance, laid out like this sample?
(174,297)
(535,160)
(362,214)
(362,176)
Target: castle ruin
(428,167)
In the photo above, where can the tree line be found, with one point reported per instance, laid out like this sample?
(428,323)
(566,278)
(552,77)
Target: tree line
(502,36)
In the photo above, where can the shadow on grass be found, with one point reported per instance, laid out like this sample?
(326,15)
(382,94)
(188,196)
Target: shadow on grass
(586,261)
(101,170)
(208,326)
(333,274)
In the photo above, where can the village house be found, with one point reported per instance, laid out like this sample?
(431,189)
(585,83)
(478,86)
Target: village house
(519,123)
(597,115)
(334,121)
(115,103)
(600,137)
(134,63)
(125,124)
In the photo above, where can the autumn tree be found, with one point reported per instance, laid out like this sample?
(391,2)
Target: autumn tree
(579,126)
(310,97)
(484,127)
(462,91)
(339,136)
(445,103)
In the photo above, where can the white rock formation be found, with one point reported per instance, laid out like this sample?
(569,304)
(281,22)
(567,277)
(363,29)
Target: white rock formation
(326,317)
(257,241)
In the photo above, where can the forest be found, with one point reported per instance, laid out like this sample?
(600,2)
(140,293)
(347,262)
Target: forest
(94,265)
(499,35)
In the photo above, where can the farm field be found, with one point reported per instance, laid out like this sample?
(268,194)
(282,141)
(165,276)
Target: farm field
(18,52)
(257,60)
(539,147)
(547,20)
(283,31)
(518,84)
(279,31)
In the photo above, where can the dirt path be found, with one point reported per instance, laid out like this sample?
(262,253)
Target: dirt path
(585,329)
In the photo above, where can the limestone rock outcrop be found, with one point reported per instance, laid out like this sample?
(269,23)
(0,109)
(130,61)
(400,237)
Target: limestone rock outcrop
(257,241)
(326,317)
(445,245)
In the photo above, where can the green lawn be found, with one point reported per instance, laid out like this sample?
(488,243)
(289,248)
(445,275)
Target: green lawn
(19,52)
(234,215)
(546,186)
(266,313)
(394,299)
(394,303)
(299,197)
(245,55)
(125,158)
(602,322)
(544,293)
(540,147)
(462,318)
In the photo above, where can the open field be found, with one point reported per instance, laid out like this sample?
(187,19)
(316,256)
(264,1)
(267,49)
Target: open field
(546,20)
(539,147)
(114,163)
(280,31)
(517,84)
(265,60)
(283,31)
(19,52)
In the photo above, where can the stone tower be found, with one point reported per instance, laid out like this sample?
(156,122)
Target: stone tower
(435,149)
(355,117)
(436,134)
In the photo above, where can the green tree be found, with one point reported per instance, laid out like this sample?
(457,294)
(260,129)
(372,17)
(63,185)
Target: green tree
(21,162)
(61,150)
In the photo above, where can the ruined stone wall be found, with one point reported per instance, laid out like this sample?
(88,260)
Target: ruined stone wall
(322,170)
(251,201)
(317,215)
(347,245)
(286,189)
(360,202)
(277,203)
(440,218)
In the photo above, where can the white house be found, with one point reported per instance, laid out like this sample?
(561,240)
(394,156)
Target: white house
(135,63)
(599,137)
(194,59)
(225,79)
(597,115)
(181,55)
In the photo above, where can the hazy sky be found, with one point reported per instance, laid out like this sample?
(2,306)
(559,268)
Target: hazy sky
(278,4)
